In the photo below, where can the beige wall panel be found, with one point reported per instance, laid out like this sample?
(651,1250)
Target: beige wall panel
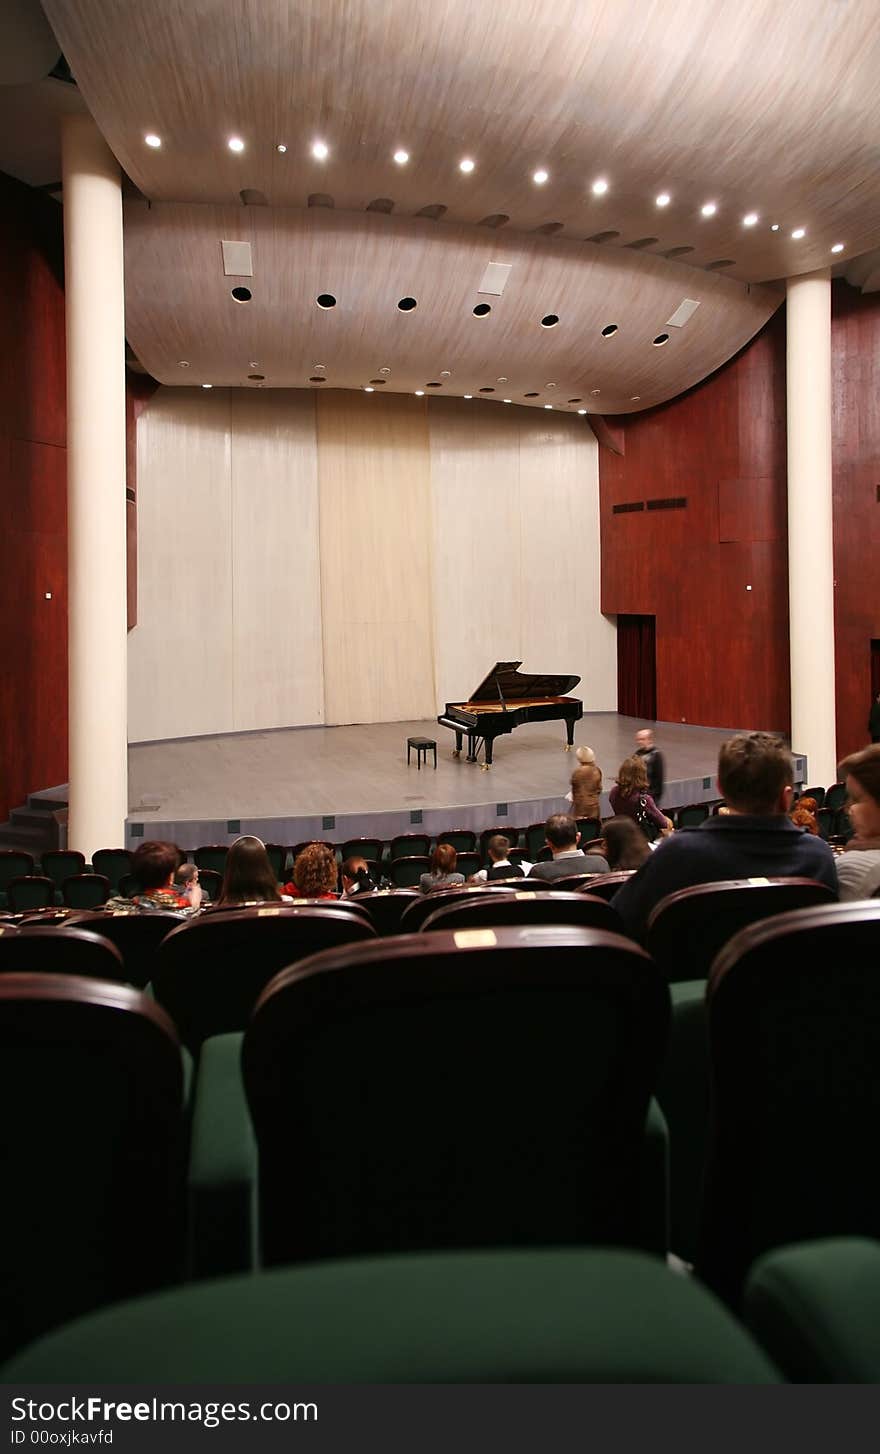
(563,628)
(475,500)
(276,588)
(374,483)
(180,652)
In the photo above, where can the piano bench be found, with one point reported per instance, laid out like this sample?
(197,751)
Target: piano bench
(422,745)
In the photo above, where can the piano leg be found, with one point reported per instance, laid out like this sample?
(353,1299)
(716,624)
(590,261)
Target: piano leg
(569,727)
(488,763)
(456,751)
(472,748)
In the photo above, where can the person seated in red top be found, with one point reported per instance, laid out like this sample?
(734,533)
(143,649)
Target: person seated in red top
(153,866)
(314,873)
(248,877)
(630,798)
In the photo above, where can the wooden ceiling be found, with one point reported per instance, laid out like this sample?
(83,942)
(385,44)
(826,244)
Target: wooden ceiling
(764,106)
(179,305)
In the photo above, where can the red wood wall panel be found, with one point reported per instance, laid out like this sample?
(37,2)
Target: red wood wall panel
(713,574)
(33,497)
(855,363)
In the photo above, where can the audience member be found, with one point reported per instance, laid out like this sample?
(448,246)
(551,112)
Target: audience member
(803,815)
(858,867)
(626,846)
(314,873)
(755,837)
(500,866)
(652,757)
(249,877)
(187,879)
(586,785)
(153,866)
(442,874)
(563,838)
(356,877)
(630,798)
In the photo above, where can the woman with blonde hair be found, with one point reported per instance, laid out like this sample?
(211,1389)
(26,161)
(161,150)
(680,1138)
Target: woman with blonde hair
(586,785)
(630,798)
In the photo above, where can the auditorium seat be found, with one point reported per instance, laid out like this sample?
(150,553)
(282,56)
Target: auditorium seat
(589,829)
(818,794)
(113,863)
(835,797)
(420,1092)
(794,1037)
(690,816)
(512,1317)
(212,882)
(52,949)
(688,928)
(605,885)
(85,890)
(136,936)
(211,856)
(277,855)
(387,906)
(93,1209)
(815,1307)
(368,848)
(59,864)
(461,839)
(14,863)
(574,882)
(410,845)
(30,891)
(297,848)
(406,872)
(417,912)
(826,821)
(210,971)
(523,907)
(468,864)
(535,841)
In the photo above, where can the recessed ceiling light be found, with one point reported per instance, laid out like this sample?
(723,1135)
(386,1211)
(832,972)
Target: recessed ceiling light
(774,226)
(468,396)
(838,247)
(750,219)
(465,165)
(709,209)
(235,143)
(634,398)
(549,386)
(368,389)
(183,363)
(798,233)
(320,151)
(550,320)
(152,139)
(502,379)
(419,393)
(281,147)
(595,391)
(582,411)
(401,157)
(507,401)
(482,310)
(600,187)
(548,406)
(207,386)
(445,373)
(659,341)
(540,177)
(663,200)
(385,370)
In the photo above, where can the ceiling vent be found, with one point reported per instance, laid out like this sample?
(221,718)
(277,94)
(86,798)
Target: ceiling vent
(237,259)
(495,278)
(683,313)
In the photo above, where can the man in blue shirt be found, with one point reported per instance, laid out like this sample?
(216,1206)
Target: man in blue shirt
(755,838)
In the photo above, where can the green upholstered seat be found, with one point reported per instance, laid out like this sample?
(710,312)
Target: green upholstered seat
(463,840)
(505,1317)
(406,872)
(13,863)
(683,1094)
(113,863)
(212,856)
(30,891)
(410,845)
(59,864)
(815,1307)
(86,890)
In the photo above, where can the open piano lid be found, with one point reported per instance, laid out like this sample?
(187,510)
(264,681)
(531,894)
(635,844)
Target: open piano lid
(516,684)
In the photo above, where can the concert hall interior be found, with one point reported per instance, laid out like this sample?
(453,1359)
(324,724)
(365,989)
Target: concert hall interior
(397,400)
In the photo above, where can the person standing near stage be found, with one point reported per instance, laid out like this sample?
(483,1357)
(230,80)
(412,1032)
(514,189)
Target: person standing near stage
(653,760)
(586,785)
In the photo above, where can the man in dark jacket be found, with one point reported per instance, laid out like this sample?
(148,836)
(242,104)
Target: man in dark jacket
(755,838)
(653,760)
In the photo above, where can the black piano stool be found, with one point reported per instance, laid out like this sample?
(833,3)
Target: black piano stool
(422,745)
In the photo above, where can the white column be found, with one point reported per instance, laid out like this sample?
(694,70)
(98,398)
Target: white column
(810,555)
(95,314)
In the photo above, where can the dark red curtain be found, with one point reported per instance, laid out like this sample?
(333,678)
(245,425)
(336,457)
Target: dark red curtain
(636,667)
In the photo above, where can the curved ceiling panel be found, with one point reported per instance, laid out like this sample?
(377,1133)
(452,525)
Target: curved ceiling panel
(764,107)
(180,306)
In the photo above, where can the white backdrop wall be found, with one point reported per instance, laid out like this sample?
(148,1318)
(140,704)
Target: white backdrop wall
(341,557)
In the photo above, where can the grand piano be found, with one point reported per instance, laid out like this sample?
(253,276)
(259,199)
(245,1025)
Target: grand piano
(505,699)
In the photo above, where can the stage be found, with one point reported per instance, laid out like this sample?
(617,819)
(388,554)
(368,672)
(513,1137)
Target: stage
(291,784)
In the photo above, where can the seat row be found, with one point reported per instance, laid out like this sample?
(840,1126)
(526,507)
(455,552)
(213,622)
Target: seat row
(438,1091)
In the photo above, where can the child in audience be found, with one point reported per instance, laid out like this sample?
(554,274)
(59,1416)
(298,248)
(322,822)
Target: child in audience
(443,874)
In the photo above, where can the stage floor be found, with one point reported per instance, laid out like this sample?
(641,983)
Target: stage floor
(288,784)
